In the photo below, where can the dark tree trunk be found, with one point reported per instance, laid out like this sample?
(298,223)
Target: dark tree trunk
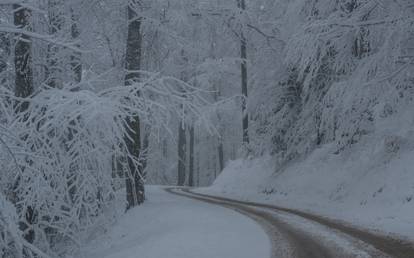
(197,162)
(134,180)
(23,89)
(198,170)
(76,77)
(220,147)
(145,148)
(23,57)
(5,48)
(191,161)
(243,55)
(75,58)
(52,73)
(215,167)
(220,150)
(182,146)
(182,135)
(165,148)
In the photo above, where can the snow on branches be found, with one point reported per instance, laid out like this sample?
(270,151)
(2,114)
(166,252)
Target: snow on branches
(57,156)
(347,65)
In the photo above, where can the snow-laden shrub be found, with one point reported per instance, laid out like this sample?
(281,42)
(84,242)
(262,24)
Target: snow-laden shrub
(58,153)
(57,164)
(366,45)
(348,64)
(10,244)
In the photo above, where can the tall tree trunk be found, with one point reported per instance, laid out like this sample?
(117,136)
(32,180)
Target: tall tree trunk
(220,150)
(134,180)
(23,57)
(23,89)
(215,166)
(56,20)
(182,146)
(220,147)
(198,170)
(217,95)
(243,55)
(182,136)
(165,148)
(197,160)
(4,48)
(75,58)
(76,77)
(191,161)
(145,148)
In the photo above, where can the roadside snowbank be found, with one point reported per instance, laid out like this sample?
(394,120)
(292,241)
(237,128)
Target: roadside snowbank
(371,187)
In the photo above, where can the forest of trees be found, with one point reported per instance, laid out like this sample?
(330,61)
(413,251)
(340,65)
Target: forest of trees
(98,96)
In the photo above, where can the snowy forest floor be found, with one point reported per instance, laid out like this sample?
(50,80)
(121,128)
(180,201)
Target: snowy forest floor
(172,226)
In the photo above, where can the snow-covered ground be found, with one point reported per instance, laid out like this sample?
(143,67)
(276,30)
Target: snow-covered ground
(371,185)
(171,226)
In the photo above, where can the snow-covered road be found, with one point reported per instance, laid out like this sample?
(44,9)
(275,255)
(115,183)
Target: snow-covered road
(177,223)
(298,234)
(169,226)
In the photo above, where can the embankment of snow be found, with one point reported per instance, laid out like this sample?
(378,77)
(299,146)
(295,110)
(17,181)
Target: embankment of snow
(370,184)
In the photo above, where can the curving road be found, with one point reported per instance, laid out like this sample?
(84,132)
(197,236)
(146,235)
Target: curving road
(298,234)
(171,226)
